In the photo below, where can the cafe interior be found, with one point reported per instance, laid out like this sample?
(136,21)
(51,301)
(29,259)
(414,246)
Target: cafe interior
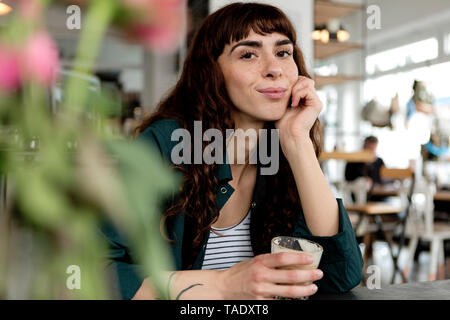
(382,71)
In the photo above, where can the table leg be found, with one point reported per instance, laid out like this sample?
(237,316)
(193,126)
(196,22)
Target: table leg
(401,244)
(368,248)
(358,223)
(388,238)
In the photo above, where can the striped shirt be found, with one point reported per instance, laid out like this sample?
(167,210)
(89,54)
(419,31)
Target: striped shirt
(230,247)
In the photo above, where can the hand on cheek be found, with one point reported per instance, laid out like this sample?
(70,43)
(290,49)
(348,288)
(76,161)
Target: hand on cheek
(303,110)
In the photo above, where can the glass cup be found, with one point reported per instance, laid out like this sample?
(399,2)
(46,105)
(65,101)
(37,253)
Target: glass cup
(296,245)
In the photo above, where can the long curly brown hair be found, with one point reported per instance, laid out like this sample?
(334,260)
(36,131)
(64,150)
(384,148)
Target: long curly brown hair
(200,94)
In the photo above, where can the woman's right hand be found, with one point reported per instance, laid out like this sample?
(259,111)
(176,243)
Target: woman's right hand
(259,278)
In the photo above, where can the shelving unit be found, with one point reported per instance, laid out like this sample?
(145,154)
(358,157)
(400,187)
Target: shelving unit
(325,10)
(334,132)
(333,48)
(322,81)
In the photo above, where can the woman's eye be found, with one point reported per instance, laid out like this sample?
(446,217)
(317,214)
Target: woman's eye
(284,53)
(247,55)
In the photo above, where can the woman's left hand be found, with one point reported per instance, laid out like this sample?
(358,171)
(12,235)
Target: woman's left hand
(299,119)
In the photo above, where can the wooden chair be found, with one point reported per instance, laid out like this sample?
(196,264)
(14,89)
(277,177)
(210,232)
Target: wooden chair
(421,225)
(385,217)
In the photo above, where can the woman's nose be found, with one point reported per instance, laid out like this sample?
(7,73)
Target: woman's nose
(272,69)
(274,73)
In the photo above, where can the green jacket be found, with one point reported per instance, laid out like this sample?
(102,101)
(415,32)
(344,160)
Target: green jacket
(341,261)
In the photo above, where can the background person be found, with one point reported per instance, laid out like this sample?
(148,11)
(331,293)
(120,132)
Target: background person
(371,171)
(421,101)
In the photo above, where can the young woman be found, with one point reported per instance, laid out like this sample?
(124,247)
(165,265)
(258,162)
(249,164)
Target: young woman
(245,71)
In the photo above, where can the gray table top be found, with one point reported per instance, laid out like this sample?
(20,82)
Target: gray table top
(434,290)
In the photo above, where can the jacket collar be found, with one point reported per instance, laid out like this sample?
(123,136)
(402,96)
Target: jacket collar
(223,171)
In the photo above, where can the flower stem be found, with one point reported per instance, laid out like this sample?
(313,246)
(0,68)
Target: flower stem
(97,21)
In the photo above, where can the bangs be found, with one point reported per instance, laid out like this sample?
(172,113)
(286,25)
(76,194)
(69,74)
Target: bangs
(241,18)
(266,22)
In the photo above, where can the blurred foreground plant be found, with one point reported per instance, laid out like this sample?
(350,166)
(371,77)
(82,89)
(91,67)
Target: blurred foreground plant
(64,173)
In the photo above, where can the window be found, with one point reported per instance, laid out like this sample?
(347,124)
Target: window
(447,43)
(398,57)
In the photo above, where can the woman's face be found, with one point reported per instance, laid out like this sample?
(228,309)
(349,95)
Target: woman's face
(259,72)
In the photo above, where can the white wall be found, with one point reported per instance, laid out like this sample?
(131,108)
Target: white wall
(159,78)
(300,12)
(407,18)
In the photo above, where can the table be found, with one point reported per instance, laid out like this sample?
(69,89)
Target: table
(442,196)
(430,290)
(360,156)
(376,210)
(384,191)
(389,191)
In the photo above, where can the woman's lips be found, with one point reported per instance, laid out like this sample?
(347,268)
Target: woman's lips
(273,93)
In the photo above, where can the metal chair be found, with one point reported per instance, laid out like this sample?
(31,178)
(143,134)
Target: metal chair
(421,225)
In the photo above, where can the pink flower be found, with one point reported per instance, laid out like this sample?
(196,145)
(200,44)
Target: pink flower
(9,70)
(40,60)
(157,24)
(156,38)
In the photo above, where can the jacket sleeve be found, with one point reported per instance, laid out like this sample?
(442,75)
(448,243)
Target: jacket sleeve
(125,274)
(121,266)
(341,260)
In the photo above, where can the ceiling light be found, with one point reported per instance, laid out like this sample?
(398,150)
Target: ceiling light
(343,35)
(324,36)
(316,35)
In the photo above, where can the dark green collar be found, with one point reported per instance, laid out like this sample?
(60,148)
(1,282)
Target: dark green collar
(223,171)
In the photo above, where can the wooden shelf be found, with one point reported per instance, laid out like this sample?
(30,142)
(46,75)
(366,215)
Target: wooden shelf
(326,10)
(322,81)
(332,48)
